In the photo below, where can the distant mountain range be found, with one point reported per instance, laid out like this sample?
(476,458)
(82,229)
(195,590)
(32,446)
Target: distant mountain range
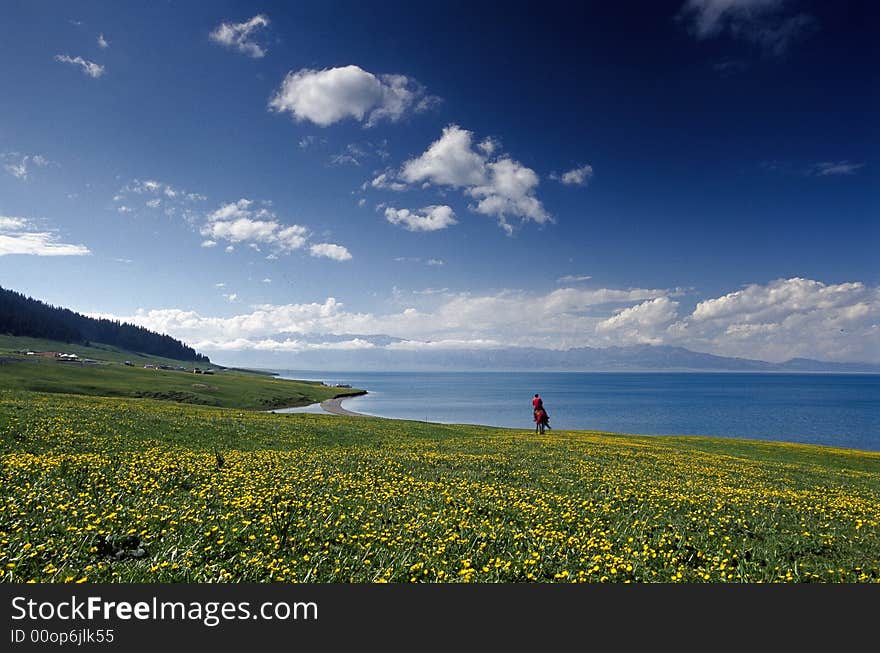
(587,359)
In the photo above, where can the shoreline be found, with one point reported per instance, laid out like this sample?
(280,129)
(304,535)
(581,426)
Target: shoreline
(334,406)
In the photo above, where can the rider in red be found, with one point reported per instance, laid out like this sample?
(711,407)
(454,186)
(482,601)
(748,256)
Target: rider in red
(539,413)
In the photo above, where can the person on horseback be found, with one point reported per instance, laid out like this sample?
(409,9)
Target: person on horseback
(542,418)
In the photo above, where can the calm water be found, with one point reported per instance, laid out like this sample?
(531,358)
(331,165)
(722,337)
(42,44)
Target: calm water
(839,410)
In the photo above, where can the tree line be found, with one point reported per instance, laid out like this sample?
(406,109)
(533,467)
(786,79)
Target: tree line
(24,316)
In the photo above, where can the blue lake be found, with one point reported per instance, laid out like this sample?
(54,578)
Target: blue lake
(840,410)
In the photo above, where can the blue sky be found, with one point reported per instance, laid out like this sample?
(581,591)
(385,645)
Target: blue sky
(262,179)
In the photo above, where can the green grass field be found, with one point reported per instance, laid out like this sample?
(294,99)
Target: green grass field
(227,388)
(12,346)
(135,490)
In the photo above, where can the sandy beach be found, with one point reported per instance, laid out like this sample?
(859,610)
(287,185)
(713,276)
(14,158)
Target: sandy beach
(335,406)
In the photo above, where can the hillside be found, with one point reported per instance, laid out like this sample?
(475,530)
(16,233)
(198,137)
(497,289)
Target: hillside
(24,316)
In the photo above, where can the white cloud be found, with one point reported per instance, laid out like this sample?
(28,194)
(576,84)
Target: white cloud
(330,95)
(430,218)
(577,176)
(829,168)
(448,161)
(102,42)
(240,222)
(209,243)
(230,297)
(267,280)
(176,201)
(788,318)
(762,22)
(89,67)
(643,323)
(435,262)
(229,249)
(362,202)
(489,146)
(21,165)
(8,223)
(557,319)
(329,250)
(780,320)
(238,36)
(510,192)
(17,170)
(573,278)
(385,181)
(220,285)
(17,236)
(503,187)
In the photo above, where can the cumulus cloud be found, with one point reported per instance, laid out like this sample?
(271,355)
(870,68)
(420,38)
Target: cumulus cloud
(576,176)
(430,218)
(331,95)
(502,187)
(20,236)
(509,192)
(241,222)
(89,68)
(238,36)
(448,161)
(788,318)
(766,23)
(643,323)
(103,43)
(331,251)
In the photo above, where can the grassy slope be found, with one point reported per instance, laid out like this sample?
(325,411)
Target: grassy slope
(208,494)
(10,346)
(227,388)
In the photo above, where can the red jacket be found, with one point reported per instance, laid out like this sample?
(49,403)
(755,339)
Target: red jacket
(537,403)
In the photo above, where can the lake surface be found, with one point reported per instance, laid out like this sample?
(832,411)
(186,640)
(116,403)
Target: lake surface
(840,410)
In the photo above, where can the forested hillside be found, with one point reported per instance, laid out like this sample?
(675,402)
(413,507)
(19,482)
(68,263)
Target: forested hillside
(24,316)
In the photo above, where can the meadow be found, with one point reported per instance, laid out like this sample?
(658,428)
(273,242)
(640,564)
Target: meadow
(142,491)
(227,388)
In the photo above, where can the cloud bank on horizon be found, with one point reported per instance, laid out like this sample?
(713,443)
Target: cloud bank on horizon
(787,318)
